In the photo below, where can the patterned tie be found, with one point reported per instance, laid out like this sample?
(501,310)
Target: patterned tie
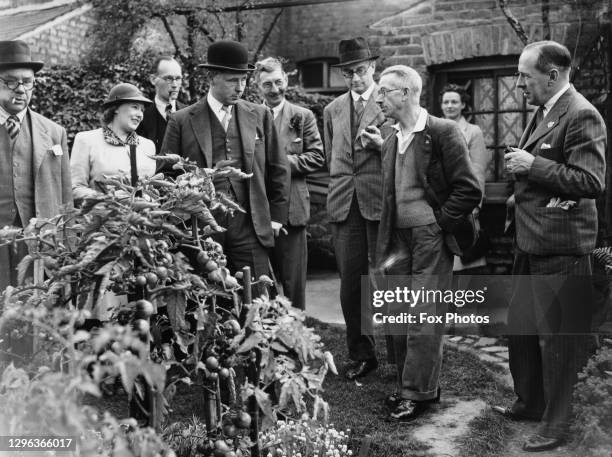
(538,119)
(359,106)
(168,110)
(12,126)
(226,116)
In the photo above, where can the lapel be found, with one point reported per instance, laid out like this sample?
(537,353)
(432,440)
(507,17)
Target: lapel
(41,141)
(283,125)
(200,124)
(343,114)
(423,149)
(246,121)
(370,112)
(389,166)
(549,122)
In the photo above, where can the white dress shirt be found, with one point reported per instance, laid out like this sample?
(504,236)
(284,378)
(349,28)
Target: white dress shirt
(365,95)
(552,100)
(217,107)
(161,106)
(403,141)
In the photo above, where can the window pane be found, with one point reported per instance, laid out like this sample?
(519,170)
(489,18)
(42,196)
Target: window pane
(490,175)
(510,128)
(335,77)
(484,94)
(312,74)
(486,122)
(509,97)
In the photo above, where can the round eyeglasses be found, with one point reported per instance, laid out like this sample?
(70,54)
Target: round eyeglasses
(28,84)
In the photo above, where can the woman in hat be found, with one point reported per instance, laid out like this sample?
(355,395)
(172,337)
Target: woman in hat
(106,151)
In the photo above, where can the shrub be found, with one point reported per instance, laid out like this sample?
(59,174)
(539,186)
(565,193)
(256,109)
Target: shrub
(593,405)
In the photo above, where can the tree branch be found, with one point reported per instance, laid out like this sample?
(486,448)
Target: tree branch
(177,48)
(514,23)
(264,39)
(545,19)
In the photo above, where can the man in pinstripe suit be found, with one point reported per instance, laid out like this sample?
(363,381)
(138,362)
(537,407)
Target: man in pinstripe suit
(354,198)
(559,170)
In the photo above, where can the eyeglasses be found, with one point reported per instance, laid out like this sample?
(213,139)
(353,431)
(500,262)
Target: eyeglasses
(171,79)
(28,84)
(384,92)
(359,71)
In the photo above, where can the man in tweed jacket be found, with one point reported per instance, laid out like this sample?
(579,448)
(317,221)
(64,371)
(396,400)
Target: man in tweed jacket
(354,198)
(559,170)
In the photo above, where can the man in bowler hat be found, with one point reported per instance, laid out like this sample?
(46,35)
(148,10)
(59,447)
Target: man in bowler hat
(34,162)
(223,127)
(352,147)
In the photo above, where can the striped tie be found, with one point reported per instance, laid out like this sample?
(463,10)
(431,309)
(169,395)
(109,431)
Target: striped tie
(227,115)
(168,110)
(12,126)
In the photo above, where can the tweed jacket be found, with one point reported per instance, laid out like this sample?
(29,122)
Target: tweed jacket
(352,168)
(569,147)
(189,134)
(446,173)
(153,125)
(52,180)
(299,138)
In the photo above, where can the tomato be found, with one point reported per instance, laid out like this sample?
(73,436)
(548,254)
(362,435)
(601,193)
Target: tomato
(142,326)
(243,420)
(221,446)
(211,265)
(162,272)
(144,307)
(140,280)
(233,326)
(222,261)
(231,282)
(203,257)
(212,363)
(224,373)
(151,279)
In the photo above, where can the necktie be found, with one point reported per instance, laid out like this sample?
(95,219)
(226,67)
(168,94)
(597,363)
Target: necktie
(12,126)
(226,116)
(168,110)
(539,116)
(359,106)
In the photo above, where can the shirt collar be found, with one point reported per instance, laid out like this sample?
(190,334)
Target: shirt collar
(365,95)
(552,100)
(161,105)
(4,115)
(419,126)
(215,104)
(277,109)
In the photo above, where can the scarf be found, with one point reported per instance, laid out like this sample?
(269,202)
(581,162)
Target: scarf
(111,138)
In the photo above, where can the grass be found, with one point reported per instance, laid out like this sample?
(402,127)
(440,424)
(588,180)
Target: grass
(361,408)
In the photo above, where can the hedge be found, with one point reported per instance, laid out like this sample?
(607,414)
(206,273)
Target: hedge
(72,96)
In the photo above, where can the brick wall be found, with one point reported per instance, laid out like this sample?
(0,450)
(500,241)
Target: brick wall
(65,41)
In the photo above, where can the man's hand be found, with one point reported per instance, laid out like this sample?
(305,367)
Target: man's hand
(371,137)
(277,228)
(518,161)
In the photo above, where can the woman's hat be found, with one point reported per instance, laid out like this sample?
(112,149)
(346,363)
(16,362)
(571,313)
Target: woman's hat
(354,50)
(124,92)
(16,54)
(227,56)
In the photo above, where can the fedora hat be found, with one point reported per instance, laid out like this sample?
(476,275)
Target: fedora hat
(227,56)
(354,50)
(124,92)
(16,54)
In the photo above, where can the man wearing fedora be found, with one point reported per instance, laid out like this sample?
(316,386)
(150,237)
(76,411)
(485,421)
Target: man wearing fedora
(223,127)
(34,162)
(352,146)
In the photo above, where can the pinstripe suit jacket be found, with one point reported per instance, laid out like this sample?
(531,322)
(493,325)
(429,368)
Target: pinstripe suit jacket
(352,168)
(569,147)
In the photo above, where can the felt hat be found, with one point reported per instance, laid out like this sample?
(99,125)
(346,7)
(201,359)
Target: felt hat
(124,92)
(354,50)
(227,55)
(16,54)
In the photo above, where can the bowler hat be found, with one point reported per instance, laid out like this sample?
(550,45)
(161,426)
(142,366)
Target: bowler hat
(228,56)
(16,54)
(122,93)
(354,50)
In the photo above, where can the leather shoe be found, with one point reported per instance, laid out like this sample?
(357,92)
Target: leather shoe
(361,369)
(511,414)
(392,400)
(409,410)
(537,443)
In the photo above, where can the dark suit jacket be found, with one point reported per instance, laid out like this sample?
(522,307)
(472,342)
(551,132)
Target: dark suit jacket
(189,134)
(153,125)
(446,173)
(569,147)
(304,148)
(360,172)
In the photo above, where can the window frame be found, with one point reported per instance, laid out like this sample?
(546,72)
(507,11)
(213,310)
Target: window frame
(327,68)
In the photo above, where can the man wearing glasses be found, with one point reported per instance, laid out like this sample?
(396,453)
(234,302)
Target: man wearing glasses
(34,163)
(352,147)
(429,188)
(167,78)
